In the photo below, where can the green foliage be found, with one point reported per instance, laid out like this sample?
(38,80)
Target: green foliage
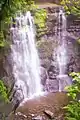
(9,9)
(78,40)
(73,108)
(40,16)
(3,92)
(72,6)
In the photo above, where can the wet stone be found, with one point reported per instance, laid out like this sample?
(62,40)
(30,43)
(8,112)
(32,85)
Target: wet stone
(52,85)
(49,113)
(38,118)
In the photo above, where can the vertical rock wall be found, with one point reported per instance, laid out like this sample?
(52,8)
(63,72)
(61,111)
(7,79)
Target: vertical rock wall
(48,48)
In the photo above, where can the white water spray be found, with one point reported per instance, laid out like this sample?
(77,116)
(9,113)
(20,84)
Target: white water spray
(24,56)
(62,49)
(62,57)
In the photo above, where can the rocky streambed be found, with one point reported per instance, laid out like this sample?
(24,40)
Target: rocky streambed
(46,107)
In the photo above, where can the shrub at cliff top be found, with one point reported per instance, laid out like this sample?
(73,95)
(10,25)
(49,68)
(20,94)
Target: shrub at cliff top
(72,6)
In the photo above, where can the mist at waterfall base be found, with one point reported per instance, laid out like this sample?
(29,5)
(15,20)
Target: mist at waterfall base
(25,60)
(62,57)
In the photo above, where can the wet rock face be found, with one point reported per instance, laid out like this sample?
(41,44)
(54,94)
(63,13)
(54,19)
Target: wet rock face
(73,53)
(48,52)
(73,25)
(6,75)
(43,75)
(45,48)
(52,83)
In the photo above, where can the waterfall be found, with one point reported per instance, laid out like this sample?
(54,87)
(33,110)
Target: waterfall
(25,60)
(62,49)
(62,56)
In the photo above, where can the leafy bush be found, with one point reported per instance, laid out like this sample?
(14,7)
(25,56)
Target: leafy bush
(40,16)
(8,10)
(71,6)
(73,108)
(3,92)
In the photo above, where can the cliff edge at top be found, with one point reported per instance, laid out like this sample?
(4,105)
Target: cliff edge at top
(49,1)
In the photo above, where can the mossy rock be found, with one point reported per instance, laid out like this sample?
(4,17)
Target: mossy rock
(46,48)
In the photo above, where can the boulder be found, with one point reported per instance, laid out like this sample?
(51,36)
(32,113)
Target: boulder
(38,118)
(49,113)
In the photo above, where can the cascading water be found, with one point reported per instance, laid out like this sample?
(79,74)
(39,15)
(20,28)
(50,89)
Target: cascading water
(62,49)
(24,56)
(62,57)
